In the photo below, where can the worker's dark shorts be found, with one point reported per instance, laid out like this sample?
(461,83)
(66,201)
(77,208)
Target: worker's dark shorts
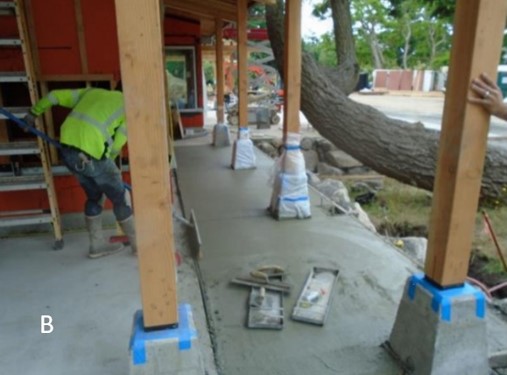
(98,178)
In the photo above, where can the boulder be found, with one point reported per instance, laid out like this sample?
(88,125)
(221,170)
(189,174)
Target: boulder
(311,159)
(327,170)
(307,143)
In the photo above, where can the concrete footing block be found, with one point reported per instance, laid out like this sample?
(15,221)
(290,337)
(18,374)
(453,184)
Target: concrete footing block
(170,351)
(221,136)
(441,332)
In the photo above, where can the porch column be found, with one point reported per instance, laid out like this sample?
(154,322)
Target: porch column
(142,69)
(243,156)
(290,191)
(221,133)
(440,306)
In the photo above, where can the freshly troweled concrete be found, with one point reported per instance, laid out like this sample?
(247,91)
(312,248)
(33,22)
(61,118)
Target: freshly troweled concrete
(91,301)
(238,235)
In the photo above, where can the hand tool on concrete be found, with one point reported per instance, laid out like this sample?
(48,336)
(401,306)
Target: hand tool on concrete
(313,302)
(269,277)
(265,309)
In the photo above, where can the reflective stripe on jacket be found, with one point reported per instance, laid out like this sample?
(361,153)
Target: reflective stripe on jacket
(96,124)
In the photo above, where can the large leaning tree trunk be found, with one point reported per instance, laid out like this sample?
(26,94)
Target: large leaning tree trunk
(404,151)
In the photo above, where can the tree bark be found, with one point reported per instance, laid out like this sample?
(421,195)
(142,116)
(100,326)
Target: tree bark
(404,151)
(344,40)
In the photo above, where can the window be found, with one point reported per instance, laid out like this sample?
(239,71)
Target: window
(180,66)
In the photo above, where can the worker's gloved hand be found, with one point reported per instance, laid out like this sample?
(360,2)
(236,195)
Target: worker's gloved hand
(29,119)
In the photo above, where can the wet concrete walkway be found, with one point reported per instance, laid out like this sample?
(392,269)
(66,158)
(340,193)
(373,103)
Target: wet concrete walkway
(239,236)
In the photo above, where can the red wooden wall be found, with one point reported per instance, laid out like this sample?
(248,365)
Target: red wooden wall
(58,47)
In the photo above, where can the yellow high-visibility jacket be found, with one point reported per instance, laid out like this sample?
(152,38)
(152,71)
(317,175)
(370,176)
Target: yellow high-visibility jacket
(96,124)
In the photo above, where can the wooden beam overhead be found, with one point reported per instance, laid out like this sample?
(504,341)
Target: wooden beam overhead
(477,40)
(214,9)
(143,76)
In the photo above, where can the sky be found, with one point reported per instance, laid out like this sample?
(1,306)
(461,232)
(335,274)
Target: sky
(312,26)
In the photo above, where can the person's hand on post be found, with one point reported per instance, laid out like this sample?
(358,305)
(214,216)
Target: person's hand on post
(489,96)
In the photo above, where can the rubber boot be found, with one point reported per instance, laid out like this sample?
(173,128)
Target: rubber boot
(98,245)
(129,229)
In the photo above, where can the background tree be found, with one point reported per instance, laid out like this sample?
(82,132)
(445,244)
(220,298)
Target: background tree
(398,149)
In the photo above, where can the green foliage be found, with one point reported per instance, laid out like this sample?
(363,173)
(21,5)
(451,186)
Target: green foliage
(257,17)
(392,33)
(209,73)
(323,50)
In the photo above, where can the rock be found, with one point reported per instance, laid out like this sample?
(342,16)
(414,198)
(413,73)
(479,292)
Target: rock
(415,247)
(340,159)
(325,169)
(276,142)
(336,191)
(501,305)
(363,217)
(311,159)
(307,143)
(322,146)
(313,179)
(268,149)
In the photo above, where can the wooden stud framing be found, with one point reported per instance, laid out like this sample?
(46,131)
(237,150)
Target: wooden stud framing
(4,135)
(81,37)
(76,78)
(241,26)
(292,67)
(48,115)
(220,71)
(478,35)
(143,77)
(203,9)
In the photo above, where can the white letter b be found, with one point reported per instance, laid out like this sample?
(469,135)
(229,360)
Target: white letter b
(45,324)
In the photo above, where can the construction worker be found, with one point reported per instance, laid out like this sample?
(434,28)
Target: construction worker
(92,136)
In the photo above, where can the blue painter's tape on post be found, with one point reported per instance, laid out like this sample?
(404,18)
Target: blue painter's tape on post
(184,333)
(291,147)
(442,298)
(296,199)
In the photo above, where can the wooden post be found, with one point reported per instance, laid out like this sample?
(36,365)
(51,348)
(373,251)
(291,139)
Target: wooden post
(48,115)
(292,68)
(219,58)
(142,69)
(81,37)
(4,135)
(478,35)
(241,26)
